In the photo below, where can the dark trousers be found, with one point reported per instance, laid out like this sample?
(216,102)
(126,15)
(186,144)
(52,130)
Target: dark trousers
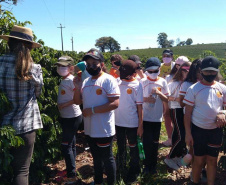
(151,142)
(131,134)
(101,150)
(69,129)
(22,159)
(178,136)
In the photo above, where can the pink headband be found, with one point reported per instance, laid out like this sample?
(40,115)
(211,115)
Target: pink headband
(186,67)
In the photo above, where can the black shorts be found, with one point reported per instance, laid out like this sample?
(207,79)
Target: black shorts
(206,141)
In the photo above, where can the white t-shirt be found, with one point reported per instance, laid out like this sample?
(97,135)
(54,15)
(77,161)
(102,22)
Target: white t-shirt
(174,88)
(66,94)
(168,78)
(207,100)
(153,114)
(184,87)
(95,92)
(183,90)
(131,95)
(138,77)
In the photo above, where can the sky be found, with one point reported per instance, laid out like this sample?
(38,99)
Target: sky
(133,23)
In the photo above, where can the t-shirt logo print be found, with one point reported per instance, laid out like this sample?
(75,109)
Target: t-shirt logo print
(129,91)
(99,91)
(63,92)
(219,94)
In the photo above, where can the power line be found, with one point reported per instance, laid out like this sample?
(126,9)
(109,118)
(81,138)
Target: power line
(49,13)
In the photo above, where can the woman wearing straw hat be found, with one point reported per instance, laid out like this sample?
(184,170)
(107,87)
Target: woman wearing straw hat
(21,81)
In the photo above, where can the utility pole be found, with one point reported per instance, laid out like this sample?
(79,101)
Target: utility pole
(72,43)
(61,37)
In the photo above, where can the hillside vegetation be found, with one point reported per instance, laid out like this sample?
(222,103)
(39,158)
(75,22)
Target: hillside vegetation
(192,51)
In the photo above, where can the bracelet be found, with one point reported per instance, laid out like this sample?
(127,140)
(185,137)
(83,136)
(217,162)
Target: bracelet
(93,110)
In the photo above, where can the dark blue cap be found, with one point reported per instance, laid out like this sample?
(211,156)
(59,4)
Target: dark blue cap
(152,63)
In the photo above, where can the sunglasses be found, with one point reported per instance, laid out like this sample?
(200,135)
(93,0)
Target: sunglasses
(156,71)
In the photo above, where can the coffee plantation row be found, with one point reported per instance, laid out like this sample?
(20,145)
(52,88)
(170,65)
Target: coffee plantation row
(47,146)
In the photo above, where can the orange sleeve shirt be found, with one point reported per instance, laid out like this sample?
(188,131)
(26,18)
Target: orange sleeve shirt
(113,72)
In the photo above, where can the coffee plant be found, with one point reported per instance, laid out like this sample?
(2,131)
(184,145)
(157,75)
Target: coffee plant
(48,140)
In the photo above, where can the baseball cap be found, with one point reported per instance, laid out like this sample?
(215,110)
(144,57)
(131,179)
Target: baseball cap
(65,61)
(128,67)
(94,53)
(210,63)
(181,59)
(135,58)
(168,52)
(152,63)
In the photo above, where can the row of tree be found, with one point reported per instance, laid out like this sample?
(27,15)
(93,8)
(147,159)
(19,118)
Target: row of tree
(110,44)
(165,43)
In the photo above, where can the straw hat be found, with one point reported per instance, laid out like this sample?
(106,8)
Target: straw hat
(21,33)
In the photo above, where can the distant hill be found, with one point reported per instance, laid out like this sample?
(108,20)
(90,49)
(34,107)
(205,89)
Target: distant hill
(192,51)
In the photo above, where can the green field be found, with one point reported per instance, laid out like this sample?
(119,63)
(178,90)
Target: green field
(192,51)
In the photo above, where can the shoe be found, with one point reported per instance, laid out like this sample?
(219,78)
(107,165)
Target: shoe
(153,171)
(178,161)
(131,178)
(146,171)
(203,176)
(171,163)
(167,143)
(62,173)
(71,175)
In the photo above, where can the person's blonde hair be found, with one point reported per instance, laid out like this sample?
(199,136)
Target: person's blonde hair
(21,49)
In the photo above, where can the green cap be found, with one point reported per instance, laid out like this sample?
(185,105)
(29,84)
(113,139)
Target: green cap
(65,61)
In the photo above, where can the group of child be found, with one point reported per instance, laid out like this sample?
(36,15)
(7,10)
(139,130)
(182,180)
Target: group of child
(131,102)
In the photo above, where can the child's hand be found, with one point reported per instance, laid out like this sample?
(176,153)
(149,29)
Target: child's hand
(189,140)
(60,106)
(87,112)
(151,99)
(140,131)
(171,98)
(77,82)
(156,90)
(220,120)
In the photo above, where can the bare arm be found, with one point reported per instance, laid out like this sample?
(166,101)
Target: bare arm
(77,97)
(140,116)
(187,125)
(163,97)
(77,94)
(181,98)
(220,119)
(112,104)
(140,73)
(62,105)
(171,98)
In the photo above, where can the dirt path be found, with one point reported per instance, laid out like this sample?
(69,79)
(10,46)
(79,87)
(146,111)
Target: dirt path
(84,164)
